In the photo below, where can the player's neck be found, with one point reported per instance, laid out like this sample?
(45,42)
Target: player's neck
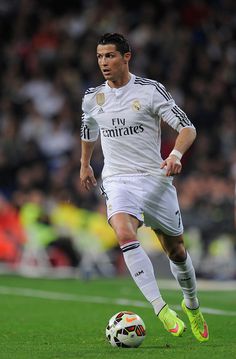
(122,81)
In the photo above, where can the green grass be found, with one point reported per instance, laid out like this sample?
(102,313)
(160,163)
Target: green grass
(34,326)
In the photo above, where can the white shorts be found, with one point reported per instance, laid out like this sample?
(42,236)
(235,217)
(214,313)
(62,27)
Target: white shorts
(151,199)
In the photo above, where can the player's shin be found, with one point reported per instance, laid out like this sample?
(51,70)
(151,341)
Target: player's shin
(141,269)
(184,273)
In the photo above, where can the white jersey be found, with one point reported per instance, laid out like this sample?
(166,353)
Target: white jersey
(129,122)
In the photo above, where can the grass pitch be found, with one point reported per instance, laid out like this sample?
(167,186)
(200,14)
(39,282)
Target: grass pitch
(63,319)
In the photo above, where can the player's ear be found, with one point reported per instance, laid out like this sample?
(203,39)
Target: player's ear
(127,57)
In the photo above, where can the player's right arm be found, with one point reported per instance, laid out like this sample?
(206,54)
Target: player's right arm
(86,172)
(89,135)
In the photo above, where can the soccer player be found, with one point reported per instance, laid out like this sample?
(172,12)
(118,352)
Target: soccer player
(137,183)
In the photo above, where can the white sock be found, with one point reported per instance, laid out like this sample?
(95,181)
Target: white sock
(184,273)
(141,269)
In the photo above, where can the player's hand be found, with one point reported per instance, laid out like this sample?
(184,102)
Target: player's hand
(87,178)
(172,165)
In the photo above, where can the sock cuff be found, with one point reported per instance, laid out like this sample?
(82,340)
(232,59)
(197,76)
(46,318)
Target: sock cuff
(129,246)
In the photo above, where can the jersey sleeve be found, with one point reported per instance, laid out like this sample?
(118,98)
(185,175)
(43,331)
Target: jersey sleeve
(166,109)
(89,128)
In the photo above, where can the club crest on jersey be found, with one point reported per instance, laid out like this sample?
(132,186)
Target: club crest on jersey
(100,98)
(136,105)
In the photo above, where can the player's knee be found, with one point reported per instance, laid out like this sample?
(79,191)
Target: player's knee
(124,236)
(177,253)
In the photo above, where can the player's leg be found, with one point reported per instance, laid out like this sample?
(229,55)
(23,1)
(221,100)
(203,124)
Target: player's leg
(183,271)
(124,200)
(136,259)
(141,269)
(181,267)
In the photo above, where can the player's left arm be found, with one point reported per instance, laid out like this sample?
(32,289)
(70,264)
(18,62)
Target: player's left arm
(166,109)
(183,142)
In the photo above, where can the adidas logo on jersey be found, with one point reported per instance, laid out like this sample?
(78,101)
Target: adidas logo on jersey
(100,110)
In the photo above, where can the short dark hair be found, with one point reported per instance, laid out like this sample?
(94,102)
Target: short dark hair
(122,44)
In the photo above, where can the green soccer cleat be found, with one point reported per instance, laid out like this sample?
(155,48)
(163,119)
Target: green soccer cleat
(171,322)
(198,324)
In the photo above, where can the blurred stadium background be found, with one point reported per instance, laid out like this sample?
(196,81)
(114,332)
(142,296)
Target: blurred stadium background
(48,224)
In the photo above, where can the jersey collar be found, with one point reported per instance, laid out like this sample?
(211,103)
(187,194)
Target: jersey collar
(123,88)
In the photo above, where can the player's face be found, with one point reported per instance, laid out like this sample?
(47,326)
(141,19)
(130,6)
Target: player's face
(112,64)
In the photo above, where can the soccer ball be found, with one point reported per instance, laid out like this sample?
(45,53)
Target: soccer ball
(126,330)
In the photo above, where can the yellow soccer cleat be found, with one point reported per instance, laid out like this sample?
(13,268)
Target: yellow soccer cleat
(171,322)
(198,324)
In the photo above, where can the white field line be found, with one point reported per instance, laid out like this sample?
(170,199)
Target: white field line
(202,285)
(35,293)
